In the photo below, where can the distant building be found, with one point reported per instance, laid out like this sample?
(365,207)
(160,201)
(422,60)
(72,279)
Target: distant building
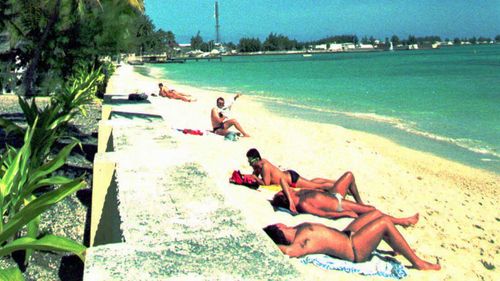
(348,46)
(365,46)
(320,47)
(331,47)
(184,46)
(334,47)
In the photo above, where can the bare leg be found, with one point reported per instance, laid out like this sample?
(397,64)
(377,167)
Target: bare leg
(183,98)
(363,220)
(221,132)
(346,184)
(364,210)
(233,122)
(323,181)
(366,239)
(307,184)
(355,207)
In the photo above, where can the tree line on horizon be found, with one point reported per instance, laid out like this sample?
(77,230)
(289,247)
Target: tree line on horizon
(279,42)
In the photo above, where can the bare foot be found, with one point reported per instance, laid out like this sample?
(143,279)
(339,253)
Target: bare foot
(423,265)
(411,220)
(246,135)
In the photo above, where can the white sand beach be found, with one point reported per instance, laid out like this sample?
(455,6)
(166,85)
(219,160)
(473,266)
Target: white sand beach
(458,219)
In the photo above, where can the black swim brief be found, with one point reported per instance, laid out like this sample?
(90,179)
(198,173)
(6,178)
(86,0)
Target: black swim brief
(221,126)
(295,177)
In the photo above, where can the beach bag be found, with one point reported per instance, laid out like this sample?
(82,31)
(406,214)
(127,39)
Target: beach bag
(246,180)
(231,136)
(137,97)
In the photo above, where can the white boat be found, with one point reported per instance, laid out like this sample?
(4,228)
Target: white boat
(307,55)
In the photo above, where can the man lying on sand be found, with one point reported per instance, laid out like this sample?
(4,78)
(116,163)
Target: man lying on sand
(173,94)
(220,122)
(355,243)
(325,204)
(265,173)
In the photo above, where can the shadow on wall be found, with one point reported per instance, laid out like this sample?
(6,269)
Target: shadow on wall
(108,230)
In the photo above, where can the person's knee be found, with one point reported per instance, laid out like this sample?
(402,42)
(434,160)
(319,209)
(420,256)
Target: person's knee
(386,220)
(349,175)
(376,213)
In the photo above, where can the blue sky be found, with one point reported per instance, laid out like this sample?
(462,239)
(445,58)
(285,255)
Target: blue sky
(313,19)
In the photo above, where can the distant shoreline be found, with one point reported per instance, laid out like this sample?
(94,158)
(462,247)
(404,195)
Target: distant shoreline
(374,50)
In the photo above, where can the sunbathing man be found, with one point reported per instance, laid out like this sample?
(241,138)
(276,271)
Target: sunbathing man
(266,174)
(221,123)
(173,94)
(355,243)
(325,204)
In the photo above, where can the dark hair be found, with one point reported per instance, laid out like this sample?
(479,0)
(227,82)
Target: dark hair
(253,153)
(280,200)
(161,84)
(220,99)
(276,234)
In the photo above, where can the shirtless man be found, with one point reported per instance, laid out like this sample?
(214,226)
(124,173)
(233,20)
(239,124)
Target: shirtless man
(327,205)
(266,174)
(355,243)
(221,123)
(173,94)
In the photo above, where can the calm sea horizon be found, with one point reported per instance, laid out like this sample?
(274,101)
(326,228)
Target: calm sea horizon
(443,101)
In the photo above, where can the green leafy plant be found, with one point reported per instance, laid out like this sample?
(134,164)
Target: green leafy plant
(53,118)
(21,209)
(78,92)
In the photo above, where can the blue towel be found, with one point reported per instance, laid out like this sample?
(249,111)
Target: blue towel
(378,265)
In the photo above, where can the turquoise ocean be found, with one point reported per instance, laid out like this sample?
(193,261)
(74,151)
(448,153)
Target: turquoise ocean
(443,101)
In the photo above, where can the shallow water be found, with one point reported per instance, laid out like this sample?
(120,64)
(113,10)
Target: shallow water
(445,101)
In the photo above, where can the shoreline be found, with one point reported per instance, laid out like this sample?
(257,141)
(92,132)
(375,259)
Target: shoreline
(457,203)
(391,128)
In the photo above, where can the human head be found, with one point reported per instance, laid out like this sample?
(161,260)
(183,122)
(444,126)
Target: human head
(220,102)
(253,156)
(160,85)
(276,234)
(280,200)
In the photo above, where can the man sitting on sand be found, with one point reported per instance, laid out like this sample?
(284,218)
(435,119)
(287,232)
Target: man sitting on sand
(267,174)
(173,94)
(325,204)
(355,243)
(221,122)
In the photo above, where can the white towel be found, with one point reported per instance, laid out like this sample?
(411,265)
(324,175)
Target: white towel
(377,265)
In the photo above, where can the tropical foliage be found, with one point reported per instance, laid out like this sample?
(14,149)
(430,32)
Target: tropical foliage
(51,40)
(25,170)
(278,42)
(56,49)
(21,208)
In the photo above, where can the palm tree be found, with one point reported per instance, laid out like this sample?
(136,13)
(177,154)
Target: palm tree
(27,17)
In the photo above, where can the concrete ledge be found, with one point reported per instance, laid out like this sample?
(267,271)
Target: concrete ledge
(104,140)
(156,213)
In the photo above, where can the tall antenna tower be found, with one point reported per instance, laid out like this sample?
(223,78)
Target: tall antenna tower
(217,34)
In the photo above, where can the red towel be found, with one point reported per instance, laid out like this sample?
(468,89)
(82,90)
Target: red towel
(192,132)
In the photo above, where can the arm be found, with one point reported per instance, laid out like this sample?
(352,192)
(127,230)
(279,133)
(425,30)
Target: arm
(286,191)
(297,248)
(259,180)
